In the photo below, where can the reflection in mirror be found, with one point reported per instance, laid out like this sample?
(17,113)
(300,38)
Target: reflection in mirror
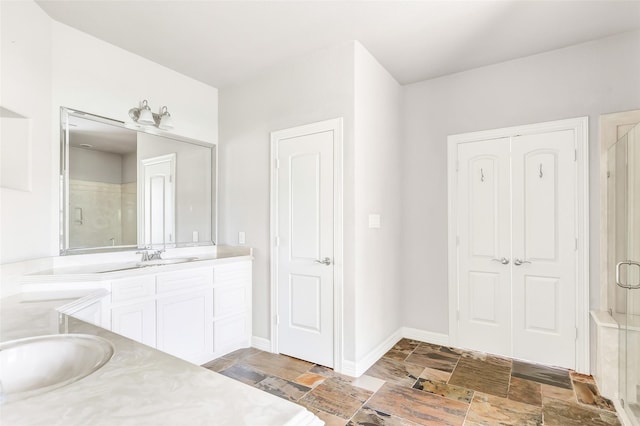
(123,189)
(102,184)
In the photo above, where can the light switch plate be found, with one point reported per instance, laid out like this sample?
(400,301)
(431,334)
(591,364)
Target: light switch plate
(374,220)
(241,237)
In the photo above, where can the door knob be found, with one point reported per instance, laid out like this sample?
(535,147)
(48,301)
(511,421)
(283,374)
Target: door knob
(503,260)
(519,262)
(325,261)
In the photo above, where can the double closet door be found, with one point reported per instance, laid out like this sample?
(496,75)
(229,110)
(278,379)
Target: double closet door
(516,247)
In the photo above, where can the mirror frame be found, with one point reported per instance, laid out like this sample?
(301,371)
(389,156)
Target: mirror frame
(63,183)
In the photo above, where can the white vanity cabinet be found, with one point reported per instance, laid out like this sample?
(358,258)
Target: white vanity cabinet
(231,307)
(197,313)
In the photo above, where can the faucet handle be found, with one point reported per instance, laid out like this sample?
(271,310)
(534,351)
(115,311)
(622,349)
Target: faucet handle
(145,255)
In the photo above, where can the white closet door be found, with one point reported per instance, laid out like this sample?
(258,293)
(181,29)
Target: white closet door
(305,250)
(484,228)
(544,232)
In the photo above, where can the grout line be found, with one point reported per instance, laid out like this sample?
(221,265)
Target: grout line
(469,407)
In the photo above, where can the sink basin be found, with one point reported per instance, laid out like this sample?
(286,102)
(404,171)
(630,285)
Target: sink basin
(169,261)
(40,364)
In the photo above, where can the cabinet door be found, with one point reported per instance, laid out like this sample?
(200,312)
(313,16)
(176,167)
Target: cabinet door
(136,321)
(185,325)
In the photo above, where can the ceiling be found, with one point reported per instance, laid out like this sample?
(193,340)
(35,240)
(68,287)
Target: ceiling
(225,42)
(97,136)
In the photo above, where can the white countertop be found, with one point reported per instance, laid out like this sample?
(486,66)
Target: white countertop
(139,386)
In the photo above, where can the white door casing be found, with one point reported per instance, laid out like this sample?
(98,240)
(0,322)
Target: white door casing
(548,301)
(157,200)
(306,230)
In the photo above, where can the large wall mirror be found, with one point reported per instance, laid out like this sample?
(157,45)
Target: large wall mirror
(124,188)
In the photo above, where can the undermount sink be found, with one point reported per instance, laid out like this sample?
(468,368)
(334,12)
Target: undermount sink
(40,364)
(169,261)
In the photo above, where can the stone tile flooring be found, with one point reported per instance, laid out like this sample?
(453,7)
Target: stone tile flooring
(418,383)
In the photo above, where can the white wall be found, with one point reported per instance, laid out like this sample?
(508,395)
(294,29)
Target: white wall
(310,89)
(26,227)
(583,80)
(97,77)
(46,65)
(377,168)
(342,81)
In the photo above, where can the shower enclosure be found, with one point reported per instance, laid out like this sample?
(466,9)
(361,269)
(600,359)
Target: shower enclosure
(624,264)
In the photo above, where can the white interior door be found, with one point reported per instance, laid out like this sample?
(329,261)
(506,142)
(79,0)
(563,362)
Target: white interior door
(544,248)
(517,227)
(484,235)
(305,230)
(158,200)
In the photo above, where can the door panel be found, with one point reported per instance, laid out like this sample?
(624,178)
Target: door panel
(540,210)
(304,205)
(541,299)
(305,232)
(304,299)
(544,232)
(484,235)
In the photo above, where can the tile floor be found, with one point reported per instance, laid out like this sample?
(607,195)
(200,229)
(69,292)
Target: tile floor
(418,383)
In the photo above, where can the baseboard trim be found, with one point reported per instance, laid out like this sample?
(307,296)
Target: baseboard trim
(261,343)
(348,368)
(356,369)
(425,336)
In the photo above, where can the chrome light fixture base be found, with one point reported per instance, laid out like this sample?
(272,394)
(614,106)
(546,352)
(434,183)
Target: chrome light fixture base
(145,117)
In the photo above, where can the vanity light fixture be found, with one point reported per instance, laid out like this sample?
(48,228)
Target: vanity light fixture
(144,116)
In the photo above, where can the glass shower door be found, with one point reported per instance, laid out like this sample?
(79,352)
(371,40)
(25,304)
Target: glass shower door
(624,166)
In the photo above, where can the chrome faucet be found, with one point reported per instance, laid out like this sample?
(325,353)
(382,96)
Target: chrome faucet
(156,255)
(150,255)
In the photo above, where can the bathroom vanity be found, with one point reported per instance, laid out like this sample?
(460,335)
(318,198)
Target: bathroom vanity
(194,305)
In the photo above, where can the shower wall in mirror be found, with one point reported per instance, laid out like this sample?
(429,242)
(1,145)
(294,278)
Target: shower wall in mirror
(124,188)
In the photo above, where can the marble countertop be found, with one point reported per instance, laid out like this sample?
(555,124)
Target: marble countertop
(128,264)
(138,386)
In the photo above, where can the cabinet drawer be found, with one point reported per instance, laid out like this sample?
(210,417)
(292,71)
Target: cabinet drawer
(232,273)
(229,299)
(133,288)
(184,279)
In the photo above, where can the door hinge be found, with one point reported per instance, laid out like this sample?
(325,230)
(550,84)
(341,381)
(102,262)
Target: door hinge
(277,319)
(277,163)
(576,333)
(276,241)
(575,155)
